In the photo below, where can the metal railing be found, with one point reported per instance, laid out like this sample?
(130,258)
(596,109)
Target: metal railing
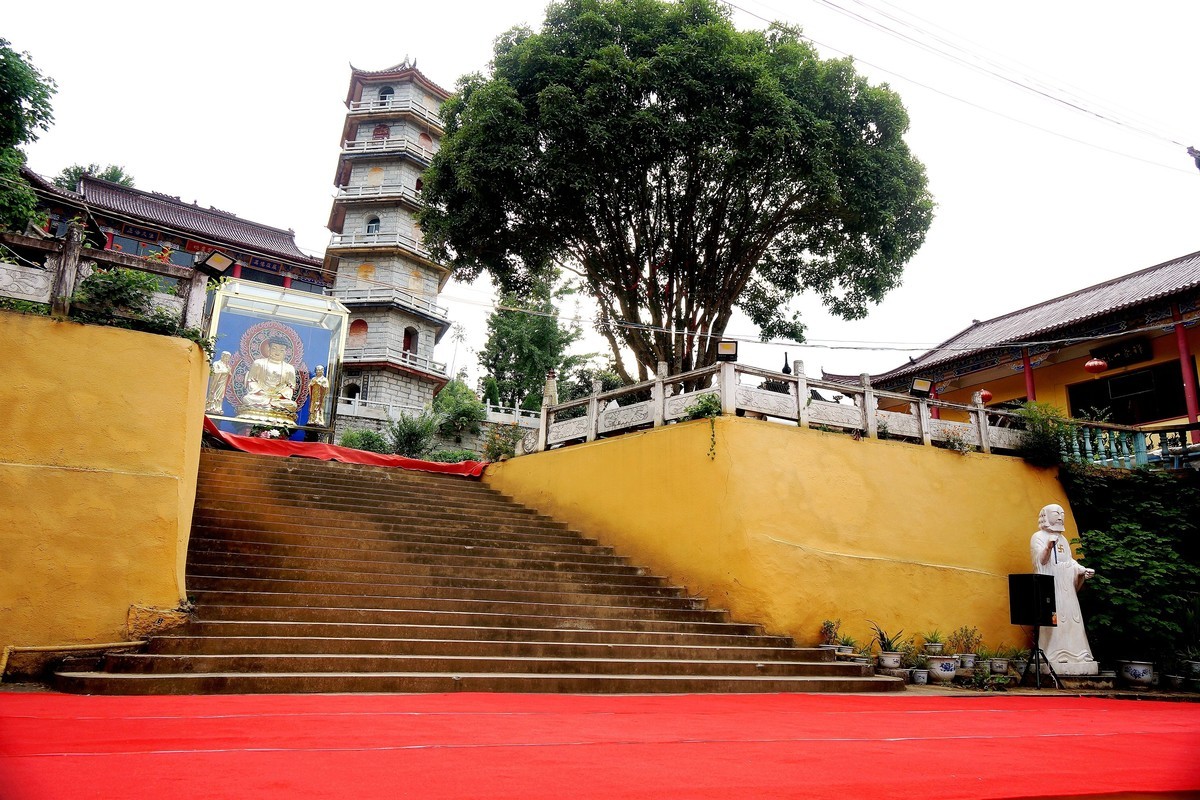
(396,104)
(384,294)
(393,355)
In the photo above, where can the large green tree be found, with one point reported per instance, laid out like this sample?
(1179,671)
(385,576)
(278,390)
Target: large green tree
(69,178)
(683,168)
(24,110)
(526,340)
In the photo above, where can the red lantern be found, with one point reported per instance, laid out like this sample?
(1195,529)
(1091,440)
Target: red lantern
(1095,366)
(985,396)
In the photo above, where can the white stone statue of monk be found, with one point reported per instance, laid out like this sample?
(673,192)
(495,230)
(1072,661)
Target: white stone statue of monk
(218,379)
(271,384)
(1065,645)
(318,389)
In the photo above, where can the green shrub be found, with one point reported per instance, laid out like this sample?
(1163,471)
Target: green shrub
(452,456)
(362,439)
(412,434)
(462,412)
(1045,434)
(501,441)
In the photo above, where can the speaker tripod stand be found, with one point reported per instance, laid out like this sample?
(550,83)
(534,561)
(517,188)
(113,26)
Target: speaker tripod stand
(1038,657)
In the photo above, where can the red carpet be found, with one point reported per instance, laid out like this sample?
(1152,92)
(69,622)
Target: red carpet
(285,448)
(544,746)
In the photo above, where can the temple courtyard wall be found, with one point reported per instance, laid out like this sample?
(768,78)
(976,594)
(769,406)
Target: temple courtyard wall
(788,526)
(99,453)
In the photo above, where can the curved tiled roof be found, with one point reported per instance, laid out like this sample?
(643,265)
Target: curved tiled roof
(405,69)
(1153,283)
(190,218)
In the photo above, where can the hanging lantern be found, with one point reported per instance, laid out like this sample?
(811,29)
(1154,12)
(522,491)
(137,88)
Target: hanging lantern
(1095,366)
(985,396)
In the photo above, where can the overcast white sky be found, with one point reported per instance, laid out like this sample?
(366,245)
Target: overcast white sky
(240,106)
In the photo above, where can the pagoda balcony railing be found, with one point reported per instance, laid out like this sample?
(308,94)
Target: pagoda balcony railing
(390,295)
(373,409)
(398,144)
(393,355)
(379,239)
(383,191)
(397,105)
(853,409)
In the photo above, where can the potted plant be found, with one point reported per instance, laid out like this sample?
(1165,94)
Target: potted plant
(999,660)
(846,645)
(1020,660)
(920,669)
(965,642)
(829,634)
(889,646)
(933,641)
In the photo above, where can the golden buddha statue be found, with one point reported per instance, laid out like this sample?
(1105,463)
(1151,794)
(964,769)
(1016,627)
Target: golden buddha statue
(270,384)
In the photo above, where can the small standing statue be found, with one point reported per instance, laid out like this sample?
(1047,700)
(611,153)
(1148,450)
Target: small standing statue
(218,379)
(271,382)
(1066,645)
(318,390)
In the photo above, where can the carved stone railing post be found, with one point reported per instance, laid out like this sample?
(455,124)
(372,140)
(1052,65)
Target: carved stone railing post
(869,403)
(923,423)
(981,422)
(193,303)
(593,411)
(659,395)
(64,277)
(549,398)
(802,397)
(727,384)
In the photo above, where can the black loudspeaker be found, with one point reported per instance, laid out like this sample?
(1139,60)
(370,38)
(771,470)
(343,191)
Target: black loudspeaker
(1031,600)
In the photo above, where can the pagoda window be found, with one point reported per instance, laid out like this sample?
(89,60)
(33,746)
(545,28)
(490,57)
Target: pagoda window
(358,333)
(381,131)
(425,141)
(385,95)
(411,340)
(373,225)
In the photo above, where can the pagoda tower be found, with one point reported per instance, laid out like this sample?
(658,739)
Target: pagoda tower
(384,275)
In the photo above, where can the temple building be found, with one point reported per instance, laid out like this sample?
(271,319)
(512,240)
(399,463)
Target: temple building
(385,276)
(152,224)
(1122,351)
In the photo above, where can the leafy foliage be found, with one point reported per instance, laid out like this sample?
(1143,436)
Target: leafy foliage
(682,167)
(706,406)
(18,203)
(888,642)
(452,456)
(461,411)
(69,178)
(412,434)
(363,439)
(523,346)
(124,298)
(1045,432)
(1140,531)
(501,441)
(24,98)
(964,640)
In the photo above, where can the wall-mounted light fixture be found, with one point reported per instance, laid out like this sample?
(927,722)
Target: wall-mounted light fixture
(727,350)
(921,387)
(214,262)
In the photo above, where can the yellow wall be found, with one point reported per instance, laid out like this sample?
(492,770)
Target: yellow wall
(788,526)
(99,450)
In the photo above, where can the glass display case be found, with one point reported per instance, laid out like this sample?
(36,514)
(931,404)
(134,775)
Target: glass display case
(278,359)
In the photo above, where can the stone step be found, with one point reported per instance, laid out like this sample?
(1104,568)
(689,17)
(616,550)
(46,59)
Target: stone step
(214,583)
(362,540)
(286,520)
(328,566)
(277,662)
(387,582)
(291,628)
(335,682)
(215,463)
(342,493)
(264,506)
(466,557)
(177,644)
(463,605)
(476,618)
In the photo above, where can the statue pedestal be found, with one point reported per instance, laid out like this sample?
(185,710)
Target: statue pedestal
(1071,669)
(267,416)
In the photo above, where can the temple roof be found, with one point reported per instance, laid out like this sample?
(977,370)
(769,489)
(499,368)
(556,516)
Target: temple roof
(210,225)
(405,70)
(1027,324)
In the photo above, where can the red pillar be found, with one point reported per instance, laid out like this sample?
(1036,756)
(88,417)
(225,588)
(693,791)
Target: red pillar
(1185,366)
(237,270)
(287,281)
(1030,391)
(934,411)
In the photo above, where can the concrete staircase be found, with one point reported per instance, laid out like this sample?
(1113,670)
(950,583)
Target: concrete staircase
(320,577)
